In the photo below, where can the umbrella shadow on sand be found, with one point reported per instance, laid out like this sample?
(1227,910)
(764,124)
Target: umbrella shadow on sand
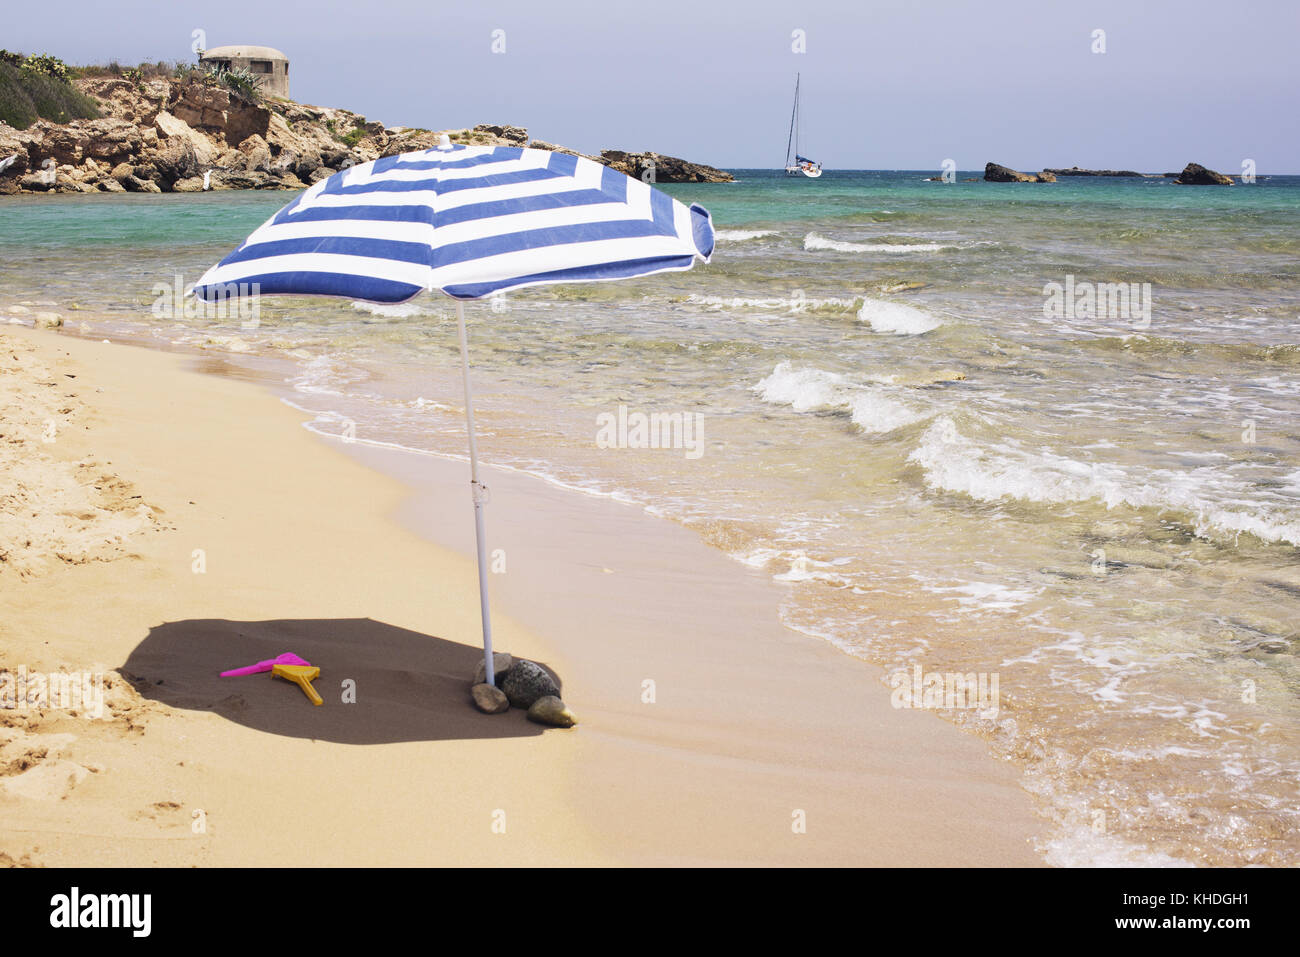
(408,686)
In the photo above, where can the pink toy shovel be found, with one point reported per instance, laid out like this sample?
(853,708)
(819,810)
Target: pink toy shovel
(288,658)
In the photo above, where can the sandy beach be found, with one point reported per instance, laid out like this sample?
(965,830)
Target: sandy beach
(160,524)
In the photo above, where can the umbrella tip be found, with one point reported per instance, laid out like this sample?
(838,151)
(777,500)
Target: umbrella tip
(444,142)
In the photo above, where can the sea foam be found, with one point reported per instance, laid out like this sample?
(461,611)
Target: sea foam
(813,390)
(740,235)
(1207,500)
(813,243)
(897,318)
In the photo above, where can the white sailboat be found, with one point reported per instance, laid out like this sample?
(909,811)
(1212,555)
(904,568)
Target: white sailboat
(801,165)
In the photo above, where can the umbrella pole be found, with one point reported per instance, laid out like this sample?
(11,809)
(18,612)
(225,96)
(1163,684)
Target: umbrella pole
(479,493)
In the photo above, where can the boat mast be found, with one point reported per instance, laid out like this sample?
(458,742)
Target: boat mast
(791,140)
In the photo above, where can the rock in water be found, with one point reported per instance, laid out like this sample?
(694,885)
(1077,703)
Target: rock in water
(551,710)
(489,699)
(501,663)
(525,682)
(1076,171)
(1194,174)
(993,173)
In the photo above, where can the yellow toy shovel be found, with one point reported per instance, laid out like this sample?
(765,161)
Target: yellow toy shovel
(300,675)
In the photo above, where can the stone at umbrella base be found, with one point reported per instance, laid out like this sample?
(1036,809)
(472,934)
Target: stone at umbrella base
(489,698)
(551,710)
(501,663)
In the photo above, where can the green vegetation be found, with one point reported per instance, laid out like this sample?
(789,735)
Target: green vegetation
(242,82)
(45,65)
(38,87)
(354,136)
(162,69)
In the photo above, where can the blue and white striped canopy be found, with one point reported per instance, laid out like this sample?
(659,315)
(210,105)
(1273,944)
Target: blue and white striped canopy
(467,220)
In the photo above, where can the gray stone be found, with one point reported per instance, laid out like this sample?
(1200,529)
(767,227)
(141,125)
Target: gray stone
(489,699)
(525,682)
(501,663)
(549,709)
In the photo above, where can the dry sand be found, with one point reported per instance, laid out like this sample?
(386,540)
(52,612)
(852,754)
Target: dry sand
(179,524)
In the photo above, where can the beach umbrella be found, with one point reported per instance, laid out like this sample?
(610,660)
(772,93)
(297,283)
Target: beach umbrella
(467,221)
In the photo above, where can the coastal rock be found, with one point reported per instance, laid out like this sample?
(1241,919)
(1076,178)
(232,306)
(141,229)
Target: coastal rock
(1076,171)
(165,133)
(338,156)
(110,139)
(489,699)
(1194,174)
(408,141)
(36,183)
(257,154)
(178,133)
(308,162)
(550,710)
(525,682)
(240,179)
(511,135)
(138,184)
(501,663)
(48,320)
(551,147)
(994,173)
(284,163)
(13,154)
(214,109)
(176,160)
(658,168)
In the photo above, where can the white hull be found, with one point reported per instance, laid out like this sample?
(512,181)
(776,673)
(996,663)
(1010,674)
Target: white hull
(810,173)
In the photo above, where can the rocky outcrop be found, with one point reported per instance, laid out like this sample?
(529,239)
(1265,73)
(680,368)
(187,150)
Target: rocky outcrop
(553,148)
(506,135)
(657,168)
(1076,171)
(187,134)
(993,173)
(1194,174)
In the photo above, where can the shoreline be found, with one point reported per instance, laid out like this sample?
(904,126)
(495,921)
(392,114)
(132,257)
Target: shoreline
(751,723)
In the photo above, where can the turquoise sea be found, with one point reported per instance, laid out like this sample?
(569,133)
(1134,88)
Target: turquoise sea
(1101,506)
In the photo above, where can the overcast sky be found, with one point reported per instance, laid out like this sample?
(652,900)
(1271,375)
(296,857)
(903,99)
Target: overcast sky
(888,84)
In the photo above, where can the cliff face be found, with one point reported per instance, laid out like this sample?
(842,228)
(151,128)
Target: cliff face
(176,135)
